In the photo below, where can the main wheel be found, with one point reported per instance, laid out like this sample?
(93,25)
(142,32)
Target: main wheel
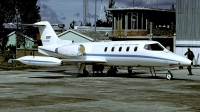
(130,71)
(111,73)
(85,73)
(77,75)
(169,76)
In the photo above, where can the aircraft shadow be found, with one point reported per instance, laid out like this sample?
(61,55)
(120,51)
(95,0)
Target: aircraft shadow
(53,71)
(141,75)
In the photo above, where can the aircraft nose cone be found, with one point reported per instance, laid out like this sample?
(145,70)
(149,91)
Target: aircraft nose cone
(185,62)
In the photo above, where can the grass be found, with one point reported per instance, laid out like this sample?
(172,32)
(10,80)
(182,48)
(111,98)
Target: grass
(16,66)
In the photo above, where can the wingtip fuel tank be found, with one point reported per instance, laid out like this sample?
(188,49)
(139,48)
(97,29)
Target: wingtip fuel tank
(40,61)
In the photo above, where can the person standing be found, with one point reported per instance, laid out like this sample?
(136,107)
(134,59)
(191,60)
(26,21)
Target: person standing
(190,56)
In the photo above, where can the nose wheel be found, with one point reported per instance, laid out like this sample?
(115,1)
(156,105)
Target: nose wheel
(169,75)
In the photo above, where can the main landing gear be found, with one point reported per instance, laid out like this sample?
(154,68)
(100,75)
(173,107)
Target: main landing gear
(112,71)
(82,71)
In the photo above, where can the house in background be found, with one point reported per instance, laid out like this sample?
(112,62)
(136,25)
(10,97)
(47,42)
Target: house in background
(74,36)
(20,50)
(102,33)
(12,40)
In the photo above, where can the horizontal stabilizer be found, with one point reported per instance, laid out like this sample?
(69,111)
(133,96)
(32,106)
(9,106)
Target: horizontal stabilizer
(26,24)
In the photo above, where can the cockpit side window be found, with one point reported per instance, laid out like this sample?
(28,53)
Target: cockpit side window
(153,47)
(147,47)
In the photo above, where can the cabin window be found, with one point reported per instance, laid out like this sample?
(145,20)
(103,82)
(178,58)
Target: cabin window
(127,49)
(106,48)
(135,49)
(154,47)
(120,49)
(113,48)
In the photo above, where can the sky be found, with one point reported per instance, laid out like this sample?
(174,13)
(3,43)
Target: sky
(65,11)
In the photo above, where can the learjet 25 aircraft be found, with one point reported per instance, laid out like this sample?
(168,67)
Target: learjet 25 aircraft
(134,53)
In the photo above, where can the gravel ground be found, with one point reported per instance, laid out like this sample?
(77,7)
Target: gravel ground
(57,89)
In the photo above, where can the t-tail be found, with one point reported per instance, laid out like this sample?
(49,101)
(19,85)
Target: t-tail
(50,40)
(48,35)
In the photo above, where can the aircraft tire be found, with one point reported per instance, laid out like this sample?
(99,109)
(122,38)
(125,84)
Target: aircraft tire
(111,73)
(130,71)
(85,73)
(77,75)
(169,76)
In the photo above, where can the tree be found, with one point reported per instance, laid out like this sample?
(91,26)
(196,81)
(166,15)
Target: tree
(108,13)
(7,15)
(88,24)
(108,21)
(72,24)
(28,13)
(18,11)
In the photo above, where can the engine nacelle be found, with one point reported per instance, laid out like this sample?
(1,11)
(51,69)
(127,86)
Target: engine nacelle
(40,61)
(71,50)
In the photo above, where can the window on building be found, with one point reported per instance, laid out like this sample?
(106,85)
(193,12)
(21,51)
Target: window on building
(132,19)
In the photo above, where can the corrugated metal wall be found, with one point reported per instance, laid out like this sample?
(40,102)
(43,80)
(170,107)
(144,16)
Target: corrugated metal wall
(188,19)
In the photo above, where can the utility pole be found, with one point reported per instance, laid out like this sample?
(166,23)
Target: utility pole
(157,3)
(95,20)
(89,17)
(85,11)
(16,20)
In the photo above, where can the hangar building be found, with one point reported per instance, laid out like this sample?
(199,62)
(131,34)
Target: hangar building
(188,27)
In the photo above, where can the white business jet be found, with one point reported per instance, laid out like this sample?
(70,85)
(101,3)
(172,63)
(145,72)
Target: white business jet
(113,53)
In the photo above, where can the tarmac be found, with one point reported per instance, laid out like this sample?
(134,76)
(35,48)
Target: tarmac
(57,89)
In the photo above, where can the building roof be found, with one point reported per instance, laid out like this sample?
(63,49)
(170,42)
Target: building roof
(92,28)
(25,36)
(100,34)
(88,33)
(77,33)
(140,8)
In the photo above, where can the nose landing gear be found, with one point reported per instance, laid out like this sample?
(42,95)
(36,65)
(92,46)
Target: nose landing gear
(169,75)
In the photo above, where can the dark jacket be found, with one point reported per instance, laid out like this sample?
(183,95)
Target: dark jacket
(190,54)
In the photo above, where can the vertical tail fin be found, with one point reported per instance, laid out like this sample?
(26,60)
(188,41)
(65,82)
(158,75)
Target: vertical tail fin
(48,35)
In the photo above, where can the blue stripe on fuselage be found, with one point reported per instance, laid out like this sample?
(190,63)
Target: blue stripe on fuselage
(37,61)
(133,56)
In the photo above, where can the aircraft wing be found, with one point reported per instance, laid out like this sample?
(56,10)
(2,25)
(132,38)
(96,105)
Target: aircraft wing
(91,60)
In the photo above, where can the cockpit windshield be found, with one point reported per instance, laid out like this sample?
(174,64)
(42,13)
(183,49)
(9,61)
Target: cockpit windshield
(154,47)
